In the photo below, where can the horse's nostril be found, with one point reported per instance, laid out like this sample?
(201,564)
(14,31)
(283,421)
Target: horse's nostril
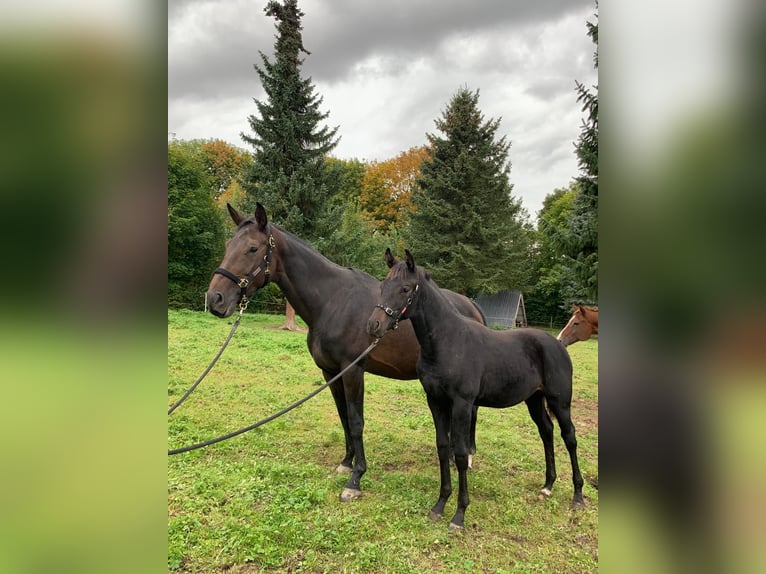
(218,298)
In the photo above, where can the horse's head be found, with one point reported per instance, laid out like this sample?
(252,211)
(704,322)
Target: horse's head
(247,263)
(578,328)
(398,295)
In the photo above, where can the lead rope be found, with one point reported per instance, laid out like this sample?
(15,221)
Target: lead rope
(277,415)
(242,306)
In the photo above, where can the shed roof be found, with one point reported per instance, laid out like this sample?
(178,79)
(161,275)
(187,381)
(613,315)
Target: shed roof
(504,309)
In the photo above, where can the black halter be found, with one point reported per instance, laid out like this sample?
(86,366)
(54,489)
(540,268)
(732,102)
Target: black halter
(398,316)
(244,282)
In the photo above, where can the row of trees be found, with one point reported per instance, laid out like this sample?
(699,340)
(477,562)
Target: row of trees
(450,201)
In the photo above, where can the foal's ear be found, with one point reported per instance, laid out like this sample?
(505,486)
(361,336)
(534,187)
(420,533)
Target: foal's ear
(390,259)
(235,215)
(410,260)
(260,216)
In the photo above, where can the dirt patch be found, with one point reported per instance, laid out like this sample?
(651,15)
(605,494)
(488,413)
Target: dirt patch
(585,413)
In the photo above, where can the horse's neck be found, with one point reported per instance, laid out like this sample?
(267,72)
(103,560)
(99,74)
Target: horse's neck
(307,278)
(432,317)
(592,318)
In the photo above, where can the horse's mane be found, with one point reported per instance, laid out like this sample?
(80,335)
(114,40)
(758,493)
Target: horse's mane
(302,243)
(399,271)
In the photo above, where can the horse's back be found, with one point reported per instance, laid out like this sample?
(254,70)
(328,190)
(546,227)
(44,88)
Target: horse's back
(541,343)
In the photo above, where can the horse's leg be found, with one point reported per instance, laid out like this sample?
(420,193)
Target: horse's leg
(536,407)
(462,413)
(340,403)
(441,415)
(353,386)
(472,441)
(561,410)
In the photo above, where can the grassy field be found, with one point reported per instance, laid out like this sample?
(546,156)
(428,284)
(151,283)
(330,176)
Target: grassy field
(267,501)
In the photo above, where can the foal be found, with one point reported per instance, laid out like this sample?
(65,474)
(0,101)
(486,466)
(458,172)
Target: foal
(463,364)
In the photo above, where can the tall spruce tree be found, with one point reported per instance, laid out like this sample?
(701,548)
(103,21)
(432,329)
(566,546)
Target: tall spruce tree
(580,244)
(288,139)
(466,227)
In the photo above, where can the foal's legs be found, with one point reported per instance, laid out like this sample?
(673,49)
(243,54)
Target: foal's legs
(561,410)
(536,407)
(472,443)
(461,429)
(441,414)
(471,440)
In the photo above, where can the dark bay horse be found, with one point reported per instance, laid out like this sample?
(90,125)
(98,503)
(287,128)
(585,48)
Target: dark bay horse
(463,364)
(581,325)
(334,302)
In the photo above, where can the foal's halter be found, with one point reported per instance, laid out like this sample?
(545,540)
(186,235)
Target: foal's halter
(244,282)
(398,316)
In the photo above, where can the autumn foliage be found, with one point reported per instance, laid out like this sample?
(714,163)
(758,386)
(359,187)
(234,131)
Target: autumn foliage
(385,197)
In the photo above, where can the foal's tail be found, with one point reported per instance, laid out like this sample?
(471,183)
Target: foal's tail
(557,369)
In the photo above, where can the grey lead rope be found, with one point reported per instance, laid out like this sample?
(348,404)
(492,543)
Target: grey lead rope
(280,413)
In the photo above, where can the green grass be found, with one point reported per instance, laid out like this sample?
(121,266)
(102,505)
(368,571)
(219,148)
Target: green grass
(267,501)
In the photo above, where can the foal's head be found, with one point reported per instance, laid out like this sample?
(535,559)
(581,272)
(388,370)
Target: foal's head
(398,294)
(247,264)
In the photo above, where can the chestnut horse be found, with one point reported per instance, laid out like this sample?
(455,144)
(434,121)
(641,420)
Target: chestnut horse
(581,325)
(334,302)
(464,364)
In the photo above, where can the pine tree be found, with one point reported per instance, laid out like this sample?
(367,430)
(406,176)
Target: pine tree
(466,227)
(581,241)
(288,173)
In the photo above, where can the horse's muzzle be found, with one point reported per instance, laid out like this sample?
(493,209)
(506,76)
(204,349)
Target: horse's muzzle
(378,324)
(218,305)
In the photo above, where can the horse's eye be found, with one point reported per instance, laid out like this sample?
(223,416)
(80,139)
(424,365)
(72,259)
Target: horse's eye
(252,249)
(406,289)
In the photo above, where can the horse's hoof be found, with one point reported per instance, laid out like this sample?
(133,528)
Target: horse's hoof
(434,516)
(343,469)
(350,494)
(578,504)
(455,527)
(544,493)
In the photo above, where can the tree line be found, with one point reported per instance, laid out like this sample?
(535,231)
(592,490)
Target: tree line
(450,200)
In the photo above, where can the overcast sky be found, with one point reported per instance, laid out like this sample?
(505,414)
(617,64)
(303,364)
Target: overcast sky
(387,70)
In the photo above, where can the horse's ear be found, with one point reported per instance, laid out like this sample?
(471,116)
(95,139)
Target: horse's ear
(260,216)
(410,260)
(390,259)
(582,309)
(235,215)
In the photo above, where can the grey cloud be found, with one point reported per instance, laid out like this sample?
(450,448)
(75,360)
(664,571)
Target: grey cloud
(339,34)
(347,32)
